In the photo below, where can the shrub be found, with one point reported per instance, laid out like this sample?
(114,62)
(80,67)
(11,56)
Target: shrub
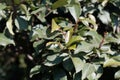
(59,40)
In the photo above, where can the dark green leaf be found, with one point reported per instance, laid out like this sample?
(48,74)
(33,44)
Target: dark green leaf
(67,64)
(21,23)
(59,74)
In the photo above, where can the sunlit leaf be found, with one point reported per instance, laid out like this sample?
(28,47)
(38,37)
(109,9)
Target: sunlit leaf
(24,8)
(4,40)
(75,10)
(104,16)
(74,39)
(68,35)
(54,26)
(53,60)
(9,24)
(59,3)
(117,75)
(78,64)
(111,63)
(87,70)
(2,6)
(35,70)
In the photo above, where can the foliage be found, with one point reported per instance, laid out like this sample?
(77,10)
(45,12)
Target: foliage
(59,40)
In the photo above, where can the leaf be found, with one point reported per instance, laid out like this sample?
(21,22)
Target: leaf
(40,13)
(59,74)
(87,70)
(84,47)
(99,71)
(74,39)
(35,70)
(117,75)
(68,65)
(4,40)
(110,38)
(78,64)
(54,26)
(44,33)
(9,24)
(38,45)
(75,10)
(53,60)
(77,76)
(68,35)
(17,2)
(111,63)
(59,3)
(2,6)
(93,43)
(104,16)
(21,23)
(24,8)
(116,57)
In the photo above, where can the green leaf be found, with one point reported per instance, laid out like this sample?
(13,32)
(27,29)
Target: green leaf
(116,57)
(78,64)
(98,72)
(75,10)
(38,45)
(54,26)
(2,6)
(84,47)
(87,70)
(53,60)
(4,40)
(117,75)
(24,9)
(35,70)
(93,43)
(111,63)
(77,76)
(40,13)
(68,65)
(59,3)
(9,24)
(74,39)
(110,38)
(104,16)
(59,74)
(21,23)
(17,2)
(44,33)
(68,35)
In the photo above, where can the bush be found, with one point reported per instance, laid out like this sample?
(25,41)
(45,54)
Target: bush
(59,40)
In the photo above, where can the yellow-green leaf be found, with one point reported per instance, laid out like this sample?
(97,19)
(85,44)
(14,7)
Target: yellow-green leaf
(73,40)
(54,26)
(72,47)
(9,24)
(59,3)
(111,63)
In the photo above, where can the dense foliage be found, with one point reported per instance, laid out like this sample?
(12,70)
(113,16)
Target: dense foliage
(59,39)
